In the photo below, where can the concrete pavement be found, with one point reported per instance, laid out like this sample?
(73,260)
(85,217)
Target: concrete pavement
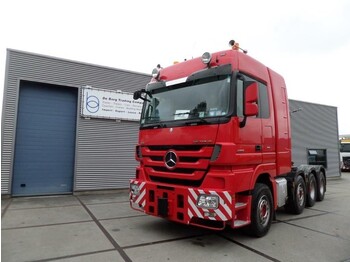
(102,227)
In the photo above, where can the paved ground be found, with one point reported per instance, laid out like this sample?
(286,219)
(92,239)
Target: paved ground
(104,228)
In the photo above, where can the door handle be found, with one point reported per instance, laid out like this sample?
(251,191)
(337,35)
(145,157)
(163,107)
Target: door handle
(258,148)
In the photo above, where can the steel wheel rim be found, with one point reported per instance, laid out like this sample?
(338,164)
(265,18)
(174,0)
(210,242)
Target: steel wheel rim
(300,195)
(264,211)
(312,190)
(321,186)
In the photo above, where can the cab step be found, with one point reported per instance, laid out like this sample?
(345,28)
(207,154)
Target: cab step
(240,223)
(240,205)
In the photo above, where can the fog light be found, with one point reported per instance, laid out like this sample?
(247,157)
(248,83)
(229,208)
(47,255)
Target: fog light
(209,214)
(208,201)
(138,152)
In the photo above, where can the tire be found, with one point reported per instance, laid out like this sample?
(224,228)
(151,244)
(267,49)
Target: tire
(321,186)
(297,204)
(312,191)
(261,211)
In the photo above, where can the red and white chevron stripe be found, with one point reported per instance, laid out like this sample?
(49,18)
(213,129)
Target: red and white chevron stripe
(222,213)
(138,200)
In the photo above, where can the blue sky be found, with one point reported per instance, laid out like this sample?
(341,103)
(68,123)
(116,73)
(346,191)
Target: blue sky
(308,42)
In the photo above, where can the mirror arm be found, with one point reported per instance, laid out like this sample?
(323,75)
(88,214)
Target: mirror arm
(243,122)
(145,99)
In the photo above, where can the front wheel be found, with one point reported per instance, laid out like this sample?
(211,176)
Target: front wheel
(262,210)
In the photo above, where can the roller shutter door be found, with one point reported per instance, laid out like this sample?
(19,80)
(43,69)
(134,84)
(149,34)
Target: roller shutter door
(45,139)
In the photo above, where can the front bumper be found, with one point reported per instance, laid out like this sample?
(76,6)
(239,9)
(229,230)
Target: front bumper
(179,204)
(345,166)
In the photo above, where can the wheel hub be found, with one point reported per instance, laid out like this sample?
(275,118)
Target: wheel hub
(300,195)
(264,210)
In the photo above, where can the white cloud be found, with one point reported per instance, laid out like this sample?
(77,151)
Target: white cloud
(308,42)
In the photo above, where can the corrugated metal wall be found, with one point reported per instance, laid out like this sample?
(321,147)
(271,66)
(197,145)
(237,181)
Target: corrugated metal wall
(106,154)
(315,126)
(105,148)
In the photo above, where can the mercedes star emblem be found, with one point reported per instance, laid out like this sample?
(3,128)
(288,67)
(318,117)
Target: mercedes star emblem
(170,159)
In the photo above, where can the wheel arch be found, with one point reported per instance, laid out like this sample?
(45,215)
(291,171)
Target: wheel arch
(312,169)
(305,171)
(267,179)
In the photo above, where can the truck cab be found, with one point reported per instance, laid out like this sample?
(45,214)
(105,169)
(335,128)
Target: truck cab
(214,146)
(345,155)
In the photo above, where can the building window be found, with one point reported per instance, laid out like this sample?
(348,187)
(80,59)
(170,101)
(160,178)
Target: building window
(317,157)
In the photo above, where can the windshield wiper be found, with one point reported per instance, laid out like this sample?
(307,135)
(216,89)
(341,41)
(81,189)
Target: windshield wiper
(183,113)
(154,125)
(196,121)
(159,125)
(152,122)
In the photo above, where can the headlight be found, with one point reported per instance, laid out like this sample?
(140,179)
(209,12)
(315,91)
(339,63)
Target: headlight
(216,152)
(138,152)
(208,201)
(135,189)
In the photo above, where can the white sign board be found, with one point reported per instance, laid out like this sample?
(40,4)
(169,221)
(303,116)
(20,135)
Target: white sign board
(100,103)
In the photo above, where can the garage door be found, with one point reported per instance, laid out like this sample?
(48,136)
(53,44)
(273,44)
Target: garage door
(45,139)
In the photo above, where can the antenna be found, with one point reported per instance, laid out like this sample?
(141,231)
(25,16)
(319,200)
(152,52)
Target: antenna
(296,110)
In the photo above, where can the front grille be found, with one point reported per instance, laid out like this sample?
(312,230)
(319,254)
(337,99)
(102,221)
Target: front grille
(177,170)
(173,181)
(346,160)
(177,148)
(182,159)
(192,162)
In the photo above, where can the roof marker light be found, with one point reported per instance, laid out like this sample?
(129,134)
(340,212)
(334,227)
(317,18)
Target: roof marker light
(156,71)
(206,58)
(235,46)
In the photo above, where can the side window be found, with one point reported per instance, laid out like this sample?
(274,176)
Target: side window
(264,107)
(239,97)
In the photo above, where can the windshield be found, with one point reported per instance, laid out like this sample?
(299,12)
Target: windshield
(345,148)
(204,98)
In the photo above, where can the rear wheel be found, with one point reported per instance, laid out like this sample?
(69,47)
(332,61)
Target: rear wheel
(311,192)
(321,186)
(262,210)
(297,204)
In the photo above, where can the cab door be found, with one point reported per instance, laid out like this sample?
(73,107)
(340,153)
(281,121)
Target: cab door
(249,135)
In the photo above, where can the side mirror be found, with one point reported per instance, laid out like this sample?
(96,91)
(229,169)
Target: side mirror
(137,95)
(251,99)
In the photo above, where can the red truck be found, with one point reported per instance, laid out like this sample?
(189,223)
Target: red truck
(214,146)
